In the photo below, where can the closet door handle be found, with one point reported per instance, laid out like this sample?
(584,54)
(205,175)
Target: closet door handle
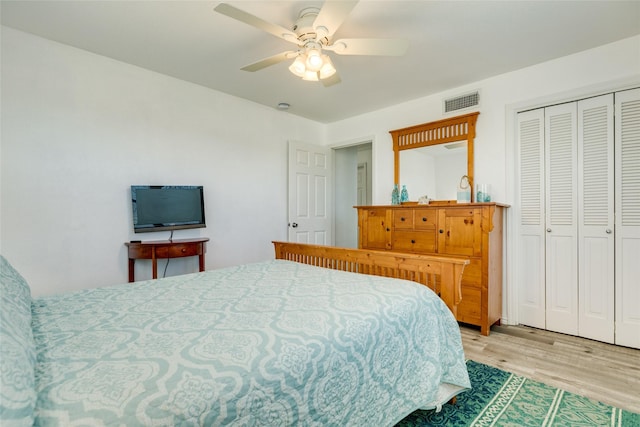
(548,230)
(608,231)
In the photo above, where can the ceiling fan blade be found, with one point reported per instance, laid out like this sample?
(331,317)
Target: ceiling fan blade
(272,60)
(330,81)
(381,47)
(254,21)
(333,14)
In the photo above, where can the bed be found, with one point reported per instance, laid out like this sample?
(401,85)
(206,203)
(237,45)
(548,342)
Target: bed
(299,340)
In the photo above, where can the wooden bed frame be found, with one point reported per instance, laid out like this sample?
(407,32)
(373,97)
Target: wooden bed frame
(442,274)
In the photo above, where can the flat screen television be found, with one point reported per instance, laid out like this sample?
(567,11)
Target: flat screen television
(167,207)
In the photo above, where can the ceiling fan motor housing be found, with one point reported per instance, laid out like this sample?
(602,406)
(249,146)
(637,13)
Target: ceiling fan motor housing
(304,27)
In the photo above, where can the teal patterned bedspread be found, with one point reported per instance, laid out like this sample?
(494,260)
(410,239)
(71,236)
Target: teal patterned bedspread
(275,343)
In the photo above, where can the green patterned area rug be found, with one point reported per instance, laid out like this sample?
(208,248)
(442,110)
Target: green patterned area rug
(499,398)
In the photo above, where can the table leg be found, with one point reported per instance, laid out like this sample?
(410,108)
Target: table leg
(201,257)
(131,270)
(154,264)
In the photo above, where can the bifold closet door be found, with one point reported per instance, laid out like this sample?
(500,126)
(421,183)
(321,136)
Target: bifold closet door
(596,261)
(627,178)
(531,244)
(579,245)
(561,191)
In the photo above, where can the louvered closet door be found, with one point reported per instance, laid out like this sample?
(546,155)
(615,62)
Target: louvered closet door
(561,218)
(531,250)
(596,260)
(627,177)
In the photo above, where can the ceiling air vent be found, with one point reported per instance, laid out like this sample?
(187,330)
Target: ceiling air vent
(461,102)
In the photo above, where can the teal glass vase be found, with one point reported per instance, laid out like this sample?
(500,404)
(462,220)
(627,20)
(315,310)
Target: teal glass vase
(404,194)
(395,195)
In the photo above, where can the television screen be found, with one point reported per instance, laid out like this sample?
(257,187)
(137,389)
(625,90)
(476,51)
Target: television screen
(167,207)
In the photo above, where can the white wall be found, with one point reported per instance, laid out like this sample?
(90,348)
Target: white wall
(346,194)
(78,129)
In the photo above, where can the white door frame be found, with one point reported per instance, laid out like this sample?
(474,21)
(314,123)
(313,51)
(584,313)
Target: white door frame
(355,142)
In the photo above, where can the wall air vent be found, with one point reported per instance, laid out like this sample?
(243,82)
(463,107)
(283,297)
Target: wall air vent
(461,102)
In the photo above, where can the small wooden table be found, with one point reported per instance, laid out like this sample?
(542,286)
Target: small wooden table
(154,249)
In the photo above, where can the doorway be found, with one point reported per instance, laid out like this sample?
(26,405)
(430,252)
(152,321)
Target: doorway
(353,186)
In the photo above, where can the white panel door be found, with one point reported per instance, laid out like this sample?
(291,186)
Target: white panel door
(596,260)
(561,218)
(531,250)
(310,194)
(627,179)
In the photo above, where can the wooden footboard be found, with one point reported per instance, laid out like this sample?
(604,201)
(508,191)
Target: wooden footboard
(440,273)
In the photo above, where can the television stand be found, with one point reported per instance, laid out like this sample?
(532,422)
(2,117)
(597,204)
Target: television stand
(154,249)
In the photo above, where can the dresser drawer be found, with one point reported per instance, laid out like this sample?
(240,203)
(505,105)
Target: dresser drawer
(403,219)
(425,219)
(178,250)
(414,241)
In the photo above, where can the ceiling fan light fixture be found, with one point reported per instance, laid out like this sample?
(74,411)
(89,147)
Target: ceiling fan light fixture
(310,76)
(327,69)
(314,60)
(298,66)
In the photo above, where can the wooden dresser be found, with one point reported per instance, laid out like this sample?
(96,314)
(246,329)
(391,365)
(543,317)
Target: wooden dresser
(472,230)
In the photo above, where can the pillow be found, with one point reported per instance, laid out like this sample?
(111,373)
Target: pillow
(17,352)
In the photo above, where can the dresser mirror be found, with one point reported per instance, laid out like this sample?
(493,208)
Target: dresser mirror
(435,156)
(434,171)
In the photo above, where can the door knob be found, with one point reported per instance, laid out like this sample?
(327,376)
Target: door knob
(294,225)
(608,231)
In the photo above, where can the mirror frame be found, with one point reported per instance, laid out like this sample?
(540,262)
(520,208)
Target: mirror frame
(443,131)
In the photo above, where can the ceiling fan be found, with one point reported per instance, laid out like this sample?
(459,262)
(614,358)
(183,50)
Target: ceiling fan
(312,33)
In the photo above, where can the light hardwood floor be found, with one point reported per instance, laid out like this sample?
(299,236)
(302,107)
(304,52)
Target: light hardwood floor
(604,372)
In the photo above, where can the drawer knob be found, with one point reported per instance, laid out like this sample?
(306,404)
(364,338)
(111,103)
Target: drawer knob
(184,250)
(413,241)
(441,231)
(424,219)
(401,218)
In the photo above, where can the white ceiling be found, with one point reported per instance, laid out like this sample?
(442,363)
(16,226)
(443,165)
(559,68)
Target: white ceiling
(451,43)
